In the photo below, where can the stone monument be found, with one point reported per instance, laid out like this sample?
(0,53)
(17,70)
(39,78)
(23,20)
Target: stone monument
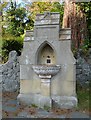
(47,65)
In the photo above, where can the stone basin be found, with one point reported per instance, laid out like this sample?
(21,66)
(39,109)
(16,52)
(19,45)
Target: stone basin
(46,70)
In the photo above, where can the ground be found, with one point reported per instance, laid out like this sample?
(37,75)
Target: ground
(10,109)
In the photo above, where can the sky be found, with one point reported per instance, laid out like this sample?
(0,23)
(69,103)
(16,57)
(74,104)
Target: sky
(53,0)
(19,1)
(38,0)
(24,1)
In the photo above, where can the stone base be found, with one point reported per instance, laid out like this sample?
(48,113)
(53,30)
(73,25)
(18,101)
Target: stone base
(37,99)
(66,102)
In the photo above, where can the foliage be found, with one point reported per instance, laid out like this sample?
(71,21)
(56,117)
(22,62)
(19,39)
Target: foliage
(0,45)
(2,20)
(29,23)
(41,7)
(11,43)
(17,19)
(47,108)
(86,8)
(3,5)
(85,47)
(34,106)
(14,21)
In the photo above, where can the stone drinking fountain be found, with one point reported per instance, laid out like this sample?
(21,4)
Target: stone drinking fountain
(45,73)
(47,65)
(46,70)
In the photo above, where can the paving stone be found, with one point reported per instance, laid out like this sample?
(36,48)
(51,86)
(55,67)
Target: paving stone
(0,110)
(78,115)
(14,102)
(9,108)
(60,116)
(24,114)
(43,112)
(39,113)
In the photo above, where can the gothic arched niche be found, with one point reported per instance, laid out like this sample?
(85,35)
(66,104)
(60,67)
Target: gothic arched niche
(46,55)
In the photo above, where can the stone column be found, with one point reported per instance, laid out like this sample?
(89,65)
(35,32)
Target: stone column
(46,91)
(45,85)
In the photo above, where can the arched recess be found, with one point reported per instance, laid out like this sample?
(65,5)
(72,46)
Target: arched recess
(46,54)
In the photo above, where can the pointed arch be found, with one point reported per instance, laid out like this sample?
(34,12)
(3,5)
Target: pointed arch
(46,54)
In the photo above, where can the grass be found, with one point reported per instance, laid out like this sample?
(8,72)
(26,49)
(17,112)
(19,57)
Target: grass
(83,94)
(33,105)
(47,108)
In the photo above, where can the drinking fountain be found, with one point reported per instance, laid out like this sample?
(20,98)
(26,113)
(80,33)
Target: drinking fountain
(45,73)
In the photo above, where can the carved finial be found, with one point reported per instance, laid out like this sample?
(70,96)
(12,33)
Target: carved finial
(47,13)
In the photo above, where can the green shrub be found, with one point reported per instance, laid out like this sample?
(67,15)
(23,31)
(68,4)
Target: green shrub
(11,43)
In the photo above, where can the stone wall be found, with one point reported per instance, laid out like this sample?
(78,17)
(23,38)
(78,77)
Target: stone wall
(83,68)
(10,73)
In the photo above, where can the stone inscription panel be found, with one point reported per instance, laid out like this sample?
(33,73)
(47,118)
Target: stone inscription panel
(46,32)
(47,18)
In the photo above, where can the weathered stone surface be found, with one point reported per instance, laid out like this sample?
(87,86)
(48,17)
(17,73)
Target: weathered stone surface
(11,73)
(83,70)
(24,114)
(0,110)
(47,18)
(89,56)
(48,48)
(36,99)
(67,102)
(79,115)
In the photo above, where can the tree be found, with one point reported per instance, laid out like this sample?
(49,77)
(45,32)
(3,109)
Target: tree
(75,18)
(86,9)
(16,18)
(41,7)
(2,22)
(66,14)
(2,16)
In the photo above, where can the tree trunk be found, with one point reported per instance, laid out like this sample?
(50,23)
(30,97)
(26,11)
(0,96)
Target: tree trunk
(76,20)
(67,13)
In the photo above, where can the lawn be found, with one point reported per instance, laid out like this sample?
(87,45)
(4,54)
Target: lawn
(84,96)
